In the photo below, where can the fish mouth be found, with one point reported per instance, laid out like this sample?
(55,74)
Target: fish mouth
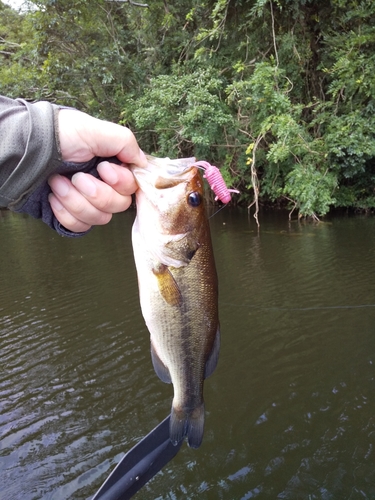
(172,169)
(175,171)
(164,173)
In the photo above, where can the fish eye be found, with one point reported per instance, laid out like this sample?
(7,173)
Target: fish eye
(194,199)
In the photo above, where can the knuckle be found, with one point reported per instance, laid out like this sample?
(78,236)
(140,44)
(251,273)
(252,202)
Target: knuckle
(105,202)
(102,219)
(113,202)
(72,224)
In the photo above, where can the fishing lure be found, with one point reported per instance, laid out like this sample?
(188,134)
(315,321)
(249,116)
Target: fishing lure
(216,181)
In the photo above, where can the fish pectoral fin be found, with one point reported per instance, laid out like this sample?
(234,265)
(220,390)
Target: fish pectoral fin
(160,369)
(167,285)
(213,356)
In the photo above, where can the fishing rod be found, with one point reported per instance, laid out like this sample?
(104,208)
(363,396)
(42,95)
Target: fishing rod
(139,464)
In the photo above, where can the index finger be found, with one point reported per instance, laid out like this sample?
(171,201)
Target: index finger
(118,177)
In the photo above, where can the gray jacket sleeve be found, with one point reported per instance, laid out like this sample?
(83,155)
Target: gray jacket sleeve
(29,154)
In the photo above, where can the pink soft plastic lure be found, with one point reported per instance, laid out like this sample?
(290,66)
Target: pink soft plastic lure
(216,181)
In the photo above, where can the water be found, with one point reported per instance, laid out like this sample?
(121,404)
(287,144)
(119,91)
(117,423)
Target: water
(290,408)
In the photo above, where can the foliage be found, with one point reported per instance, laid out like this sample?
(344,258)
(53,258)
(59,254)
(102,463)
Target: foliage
(19,59)
(280,95)
(185,113)
(294,166)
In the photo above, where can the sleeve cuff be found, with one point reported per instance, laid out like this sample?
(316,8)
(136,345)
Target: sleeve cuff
(33,159)
(38,206)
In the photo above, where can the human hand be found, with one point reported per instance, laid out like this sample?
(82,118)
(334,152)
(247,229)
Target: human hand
(86,201)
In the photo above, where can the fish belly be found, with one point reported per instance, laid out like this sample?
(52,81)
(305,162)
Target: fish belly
(184,339)
(179,347)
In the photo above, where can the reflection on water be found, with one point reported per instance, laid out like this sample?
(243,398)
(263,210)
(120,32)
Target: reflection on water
(290,411)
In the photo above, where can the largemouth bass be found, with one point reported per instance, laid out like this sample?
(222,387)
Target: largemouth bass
(177,285)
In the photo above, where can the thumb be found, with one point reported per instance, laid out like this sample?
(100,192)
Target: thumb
(82,137)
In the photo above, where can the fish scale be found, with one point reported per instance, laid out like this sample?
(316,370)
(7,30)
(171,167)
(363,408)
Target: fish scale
(178,285)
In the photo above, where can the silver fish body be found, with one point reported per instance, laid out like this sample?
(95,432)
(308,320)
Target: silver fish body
(178,285)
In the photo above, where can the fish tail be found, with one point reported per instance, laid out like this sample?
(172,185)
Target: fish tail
(190,424)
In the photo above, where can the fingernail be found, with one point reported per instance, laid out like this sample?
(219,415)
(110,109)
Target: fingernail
(109,173)
(84,184)
(54,202)
(59,185)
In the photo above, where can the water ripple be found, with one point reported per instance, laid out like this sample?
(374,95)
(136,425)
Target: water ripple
(289,408)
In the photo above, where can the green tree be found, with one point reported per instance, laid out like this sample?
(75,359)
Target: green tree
(19,59)
(279,94)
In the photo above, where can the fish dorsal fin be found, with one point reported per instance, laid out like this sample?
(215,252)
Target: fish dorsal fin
(160,369)
(167,285)
(213,356)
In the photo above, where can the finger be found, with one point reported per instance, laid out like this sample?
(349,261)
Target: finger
(100,194)
(82,137)
(117,176)
(75,203)
(65,218)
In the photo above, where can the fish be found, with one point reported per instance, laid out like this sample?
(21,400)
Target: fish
(178,285)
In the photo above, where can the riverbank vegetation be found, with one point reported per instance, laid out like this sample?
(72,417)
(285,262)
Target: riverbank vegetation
(280,94)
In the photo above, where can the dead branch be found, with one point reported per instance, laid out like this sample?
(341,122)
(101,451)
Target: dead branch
(6,42)
(295,204)
(255,180)
(131,2)
(274,35)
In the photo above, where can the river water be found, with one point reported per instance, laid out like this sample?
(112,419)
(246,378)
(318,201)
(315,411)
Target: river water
(290,410)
